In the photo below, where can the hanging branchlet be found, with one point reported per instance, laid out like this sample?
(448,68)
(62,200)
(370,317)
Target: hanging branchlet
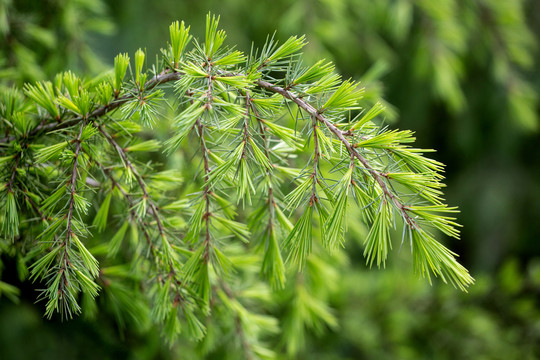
(272,266)
(284,150)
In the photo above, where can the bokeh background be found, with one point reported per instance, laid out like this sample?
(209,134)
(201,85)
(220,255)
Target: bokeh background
(463,74)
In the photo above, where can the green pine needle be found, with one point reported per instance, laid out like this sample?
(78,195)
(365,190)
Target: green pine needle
(116,240)
(121,63)
(273,267)
(100,221)
(377,242)
(299,241)
(179,39)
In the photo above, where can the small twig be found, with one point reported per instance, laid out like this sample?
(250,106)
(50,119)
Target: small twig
(271,201)
(245,127)
(316,155)
(69,216)
(36,207)
(9,185)
(204,149)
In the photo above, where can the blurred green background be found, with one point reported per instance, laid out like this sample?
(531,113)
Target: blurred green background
(463,74)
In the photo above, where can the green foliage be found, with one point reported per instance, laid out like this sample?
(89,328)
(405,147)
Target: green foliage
(40,38)
(268,133)
(179,39)
(121,63)
(375,310)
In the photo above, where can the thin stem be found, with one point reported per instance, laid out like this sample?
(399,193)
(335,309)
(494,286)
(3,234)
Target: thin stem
(36,207)
(266,146)
(204,149)
(245,128)
(73,180)
(69,216)
(206,192)
(316,155)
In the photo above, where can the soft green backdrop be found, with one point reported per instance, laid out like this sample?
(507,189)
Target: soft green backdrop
(464,75)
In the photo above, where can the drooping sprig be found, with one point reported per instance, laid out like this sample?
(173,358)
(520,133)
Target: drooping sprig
(437,259)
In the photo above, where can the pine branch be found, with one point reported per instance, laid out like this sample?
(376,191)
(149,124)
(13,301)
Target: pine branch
(170,271)
(377,176)
(233,104)
(9,185)
(429,255)
(272,267)
(64,282)
(58,124)
(131,205)
(73,182)
(204,150)
(271,201)
(316,153)
(138,177)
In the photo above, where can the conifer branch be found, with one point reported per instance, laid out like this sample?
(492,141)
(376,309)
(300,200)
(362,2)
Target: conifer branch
(138,177)
(9,185)
(64,282)
(272,267)
(131,205)
(376,175)
(153,210)
(170,271)
(73,183)
(316,154)
(35,207)
(58,124)
(234,104)
(265,140)
(206,192)
(204,150)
